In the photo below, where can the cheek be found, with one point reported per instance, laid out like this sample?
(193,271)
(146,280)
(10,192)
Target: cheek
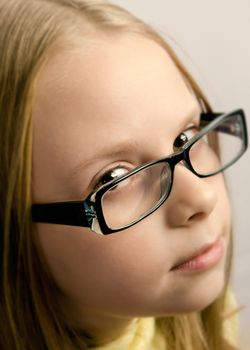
(91,268)
(223,201)
(222,216)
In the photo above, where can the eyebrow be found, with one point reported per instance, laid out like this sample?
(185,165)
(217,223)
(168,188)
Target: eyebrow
(110,151)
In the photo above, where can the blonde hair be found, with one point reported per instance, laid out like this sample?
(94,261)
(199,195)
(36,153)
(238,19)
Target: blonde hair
(30,316)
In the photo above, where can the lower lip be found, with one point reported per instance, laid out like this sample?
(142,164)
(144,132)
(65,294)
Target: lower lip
(209,258)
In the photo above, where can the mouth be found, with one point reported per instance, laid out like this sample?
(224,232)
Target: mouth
(203,259)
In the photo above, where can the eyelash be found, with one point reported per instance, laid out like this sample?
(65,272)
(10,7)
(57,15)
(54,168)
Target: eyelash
(108,173)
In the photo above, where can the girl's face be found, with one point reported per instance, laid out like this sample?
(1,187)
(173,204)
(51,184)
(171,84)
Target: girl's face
(120,102)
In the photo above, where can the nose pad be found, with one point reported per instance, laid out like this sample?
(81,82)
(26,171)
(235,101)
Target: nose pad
(192,198)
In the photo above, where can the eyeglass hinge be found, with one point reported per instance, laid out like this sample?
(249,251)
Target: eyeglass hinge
(89,211)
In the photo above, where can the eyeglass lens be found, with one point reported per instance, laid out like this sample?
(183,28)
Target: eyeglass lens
(219,147)
(136,195)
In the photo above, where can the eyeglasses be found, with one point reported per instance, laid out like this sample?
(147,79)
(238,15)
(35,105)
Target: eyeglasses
(131,197)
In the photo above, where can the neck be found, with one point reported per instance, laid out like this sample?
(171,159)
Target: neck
(101,328)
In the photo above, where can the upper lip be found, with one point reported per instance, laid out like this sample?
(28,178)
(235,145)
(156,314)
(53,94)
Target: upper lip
(196,253)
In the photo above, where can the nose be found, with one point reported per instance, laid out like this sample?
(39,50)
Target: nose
(191,199)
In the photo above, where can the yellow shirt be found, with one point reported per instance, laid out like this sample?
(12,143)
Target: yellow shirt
(143,334)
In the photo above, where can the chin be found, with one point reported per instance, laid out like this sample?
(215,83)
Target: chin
(195,293)
(202,295)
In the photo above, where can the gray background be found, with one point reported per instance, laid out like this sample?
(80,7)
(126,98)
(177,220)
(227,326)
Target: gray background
(213,40)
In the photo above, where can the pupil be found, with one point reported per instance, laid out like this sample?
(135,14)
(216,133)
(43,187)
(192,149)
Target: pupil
(107,178)
(111,175)
(180,141)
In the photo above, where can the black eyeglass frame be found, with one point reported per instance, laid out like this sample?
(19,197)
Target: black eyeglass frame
(85,213)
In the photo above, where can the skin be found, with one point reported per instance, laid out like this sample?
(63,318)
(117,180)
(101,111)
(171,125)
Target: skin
(122,93)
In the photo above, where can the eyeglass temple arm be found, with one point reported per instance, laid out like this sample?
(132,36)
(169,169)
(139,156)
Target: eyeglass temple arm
(75,213)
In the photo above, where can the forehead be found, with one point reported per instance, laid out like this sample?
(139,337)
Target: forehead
(107,79)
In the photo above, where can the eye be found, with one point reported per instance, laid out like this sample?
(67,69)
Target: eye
(184,137)
(109,176)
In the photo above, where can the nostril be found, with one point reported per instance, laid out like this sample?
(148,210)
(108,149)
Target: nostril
(196,216)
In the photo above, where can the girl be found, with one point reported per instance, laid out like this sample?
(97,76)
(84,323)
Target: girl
(115,219)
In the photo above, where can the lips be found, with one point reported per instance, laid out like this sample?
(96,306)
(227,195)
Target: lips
(202,258)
